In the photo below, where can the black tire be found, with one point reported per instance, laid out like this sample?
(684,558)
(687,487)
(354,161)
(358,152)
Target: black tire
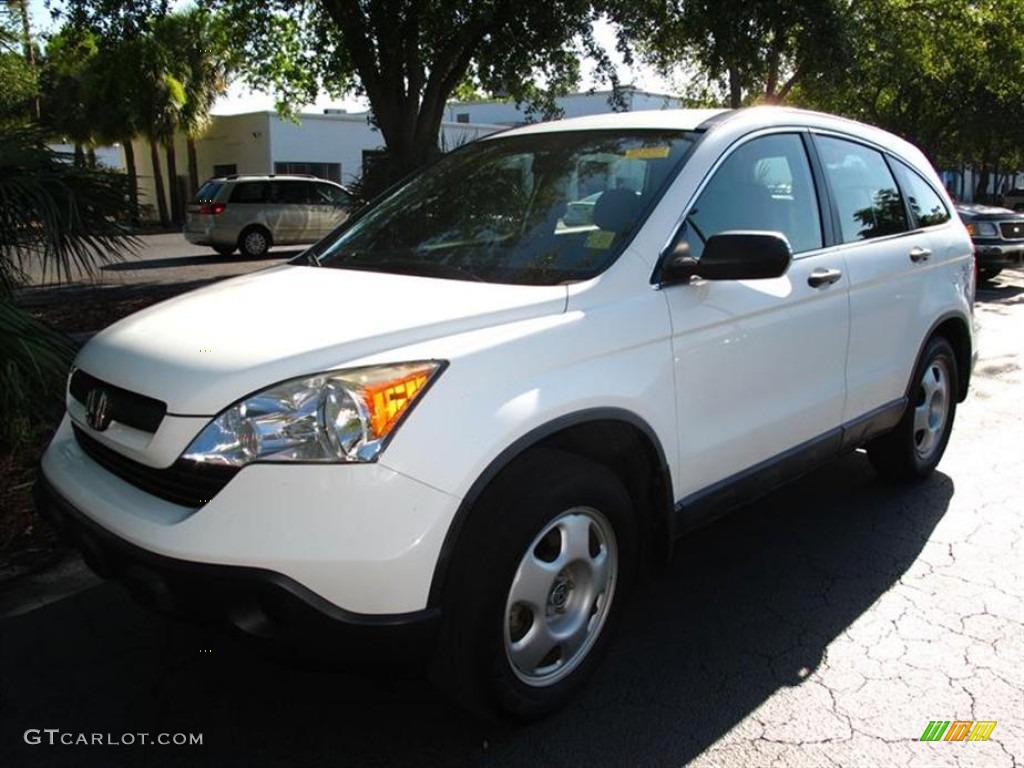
(986,274)
(490,628)
(914,448)
(225,250)
(254,242)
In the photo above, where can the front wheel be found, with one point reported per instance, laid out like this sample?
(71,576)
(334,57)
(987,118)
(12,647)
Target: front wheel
(913,449)
(538,583)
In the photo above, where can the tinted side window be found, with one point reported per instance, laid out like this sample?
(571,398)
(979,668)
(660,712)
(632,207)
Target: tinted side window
(291,192)
(863,189)
(249,192)
(926,207)
(765,185)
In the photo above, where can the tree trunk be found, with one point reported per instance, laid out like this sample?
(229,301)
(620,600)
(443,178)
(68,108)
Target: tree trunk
(30,52)
(158,182)
(981,188)
(133,182)
(193,167)
(79,156)
(172,181)
(90,157)
(735,88)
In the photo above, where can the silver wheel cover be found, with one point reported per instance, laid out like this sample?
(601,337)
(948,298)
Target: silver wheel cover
(560,596)
(931,411)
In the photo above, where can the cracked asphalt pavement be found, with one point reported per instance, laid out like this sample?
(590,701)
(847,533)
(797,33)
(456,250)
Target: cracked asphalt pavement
(824,625)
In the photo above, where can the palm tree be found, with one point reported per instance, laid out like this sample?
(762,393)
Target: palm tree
(163,98)
(117,104)
(65,99)
(208,61)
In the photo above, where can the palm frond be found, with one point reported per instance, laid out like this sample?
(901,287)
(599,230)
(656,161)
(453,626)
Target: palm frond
(34,361)
(54,215)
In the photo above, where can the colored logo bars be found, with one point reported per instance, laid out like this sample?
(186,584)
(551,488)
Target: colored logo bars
(959,730)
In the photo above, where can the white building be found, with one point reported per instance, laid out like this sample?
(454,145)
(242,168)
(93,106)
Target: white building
(332,146)
(506,113)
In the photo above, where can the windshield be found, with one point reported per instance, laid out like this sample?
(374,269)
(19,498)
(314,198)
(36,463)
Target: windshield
(541,209)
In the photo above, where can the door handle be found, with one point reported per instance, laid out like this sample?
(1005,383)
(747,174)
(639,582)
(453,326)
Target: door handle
(820,277)
(920,254)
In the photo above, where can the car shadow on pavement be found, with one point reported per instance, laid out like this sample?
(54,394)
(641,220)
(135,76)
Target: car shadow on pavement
(998,290)
(748,606)
(203,259)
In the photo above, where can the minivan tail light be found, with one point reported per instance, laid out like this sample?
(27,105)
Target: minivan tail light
(211,209)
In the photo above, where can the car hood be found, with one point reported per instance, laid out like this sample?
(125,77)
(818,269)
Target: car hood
(204,350)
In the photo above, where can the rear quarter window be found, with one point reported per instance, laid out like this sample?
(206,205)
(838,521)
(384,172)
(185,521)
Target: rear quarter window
(926,207)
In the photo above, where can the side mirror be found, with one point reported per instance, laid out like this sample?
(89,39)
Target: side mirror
(736,255)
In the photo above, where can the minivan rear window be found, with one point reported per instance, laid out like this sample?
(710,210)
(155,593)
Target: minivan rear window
(208,192)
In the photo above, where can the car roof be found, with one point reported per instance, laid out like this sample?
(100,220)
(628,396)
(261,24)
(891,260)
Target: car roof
(676,119)
(729,122)
(272,177)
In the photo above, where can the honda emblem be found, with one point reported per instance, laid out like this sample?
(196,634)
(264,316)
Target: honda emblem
(97,409)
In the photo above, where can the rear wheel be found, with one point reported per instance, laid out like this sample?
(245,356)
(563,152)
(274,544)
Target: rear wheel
(254,242)
(537,586)
(913,449)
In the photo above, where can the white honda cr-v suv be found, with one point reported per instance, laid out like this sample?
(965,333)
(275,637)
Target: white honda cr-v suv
(463,423)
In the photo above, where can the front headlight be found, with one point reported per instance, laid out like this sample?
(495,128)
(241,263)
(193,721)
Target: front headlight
(339,416)
(986,229)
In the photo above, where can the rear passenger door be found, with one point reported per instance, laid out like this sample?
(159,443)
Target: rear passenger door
(888,251)
(291,215)
(332,206)
(759,364)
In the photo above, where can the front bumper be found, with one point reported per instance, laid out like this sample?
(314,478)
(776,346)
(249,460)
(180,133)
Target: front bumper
(260,603)
(360,536)
(999,253)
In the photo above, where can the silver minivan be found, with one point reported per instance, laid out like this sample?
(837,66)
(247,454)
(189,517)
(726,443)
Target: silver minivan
(252,213)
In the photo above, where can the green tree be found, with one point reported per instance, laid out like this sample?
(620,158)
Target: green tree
(408,56)
(204,58)
(757,52)
(20,86)
(66,111)
(117,104)
(946,74)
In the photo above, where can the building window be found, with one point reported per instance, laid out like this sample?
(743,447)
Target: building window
(462,117)
(224,169)
(329,171)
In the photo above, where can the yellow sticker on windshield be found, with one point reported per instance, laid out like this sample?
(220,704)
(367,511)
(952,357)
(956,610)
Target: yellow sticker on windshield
(600,238)
(648,153)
